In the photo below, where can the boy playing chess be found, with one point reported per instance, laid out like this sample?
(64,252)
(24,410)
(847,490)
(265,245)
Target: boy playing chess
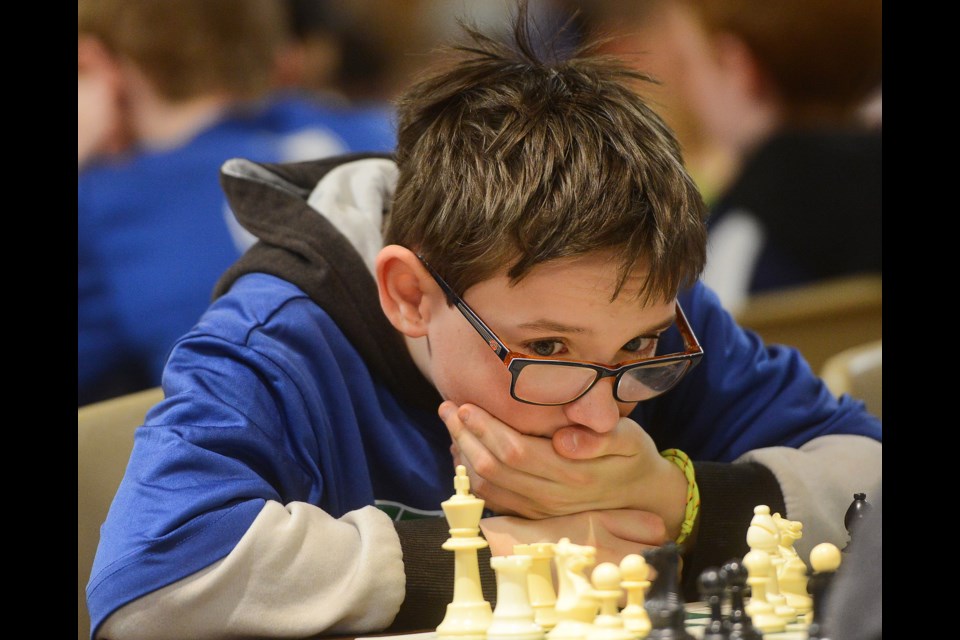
(524,272)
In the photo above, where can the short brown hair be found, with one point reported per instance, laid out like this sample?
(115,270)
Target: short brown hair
(192,47)
(508,161)
(825,57)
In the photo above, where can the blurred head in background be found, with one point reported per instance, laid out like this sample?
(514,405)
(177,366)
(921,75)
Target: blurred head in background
(733,71)
(140,59)
(748,67)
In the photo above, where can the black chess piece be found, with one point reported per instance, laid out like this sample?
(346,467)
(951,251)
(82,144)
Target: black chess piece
(819,586)
(712,585)
(856,512)
(734,574)
(664,602)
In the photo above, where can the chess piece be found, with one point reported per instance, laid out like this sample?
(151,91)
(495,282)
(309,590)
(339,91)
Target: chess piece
(824,562)
(854,603)
(468,615)
(763,534)
(608,625)
(711,585)
(793,586)
(634,573)
(792,573)
(513,617)
(856,512)
(790,531)
(576,605)
(543,597)
(760,610)
(665,604)
(734,574)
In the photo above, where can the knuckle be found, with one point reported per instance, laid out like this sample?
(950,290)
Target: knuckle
(484,466)
(512,454)
(479,486)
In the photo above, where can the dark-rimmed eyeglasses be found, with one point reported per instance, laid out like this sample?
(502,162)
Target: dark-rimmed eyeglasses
(542,380)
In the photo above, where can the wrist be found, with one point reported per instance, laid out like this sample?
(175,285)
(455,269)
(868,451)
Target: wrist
(683,510)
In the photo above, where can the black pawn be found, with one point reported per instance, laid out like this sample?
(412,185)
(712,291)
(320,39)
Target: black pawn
(856,512)
(664,603)
(741,626)
(712,586)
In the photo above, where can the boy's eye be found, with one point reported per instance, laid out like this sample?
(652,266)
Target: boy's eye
(642,346)
(544,348)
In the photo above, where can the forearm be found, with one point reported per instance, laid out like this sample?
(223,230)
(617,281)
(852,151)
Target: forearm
(819,480)
(296,572)
(813,484)
(430,574)
(728,494)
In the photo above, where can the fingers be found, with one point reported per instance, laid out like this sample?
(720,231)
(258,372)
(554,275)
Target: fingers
(617,551)
(496,451)
(614,533)
(578,469)
(509,470)
(506,502)
(633,525)
(455,454)
(539,467)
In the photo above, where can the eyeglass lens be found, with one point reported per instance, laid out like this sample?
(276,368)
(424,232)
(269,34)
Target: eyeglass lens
(646,382)
(558,384)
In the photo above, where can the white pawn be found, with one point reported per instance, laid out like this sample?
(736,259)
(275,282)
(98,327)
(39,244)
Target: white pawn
(543,596)
(760,611)
(825,560)
(634,572)
(513,616)
(606,588)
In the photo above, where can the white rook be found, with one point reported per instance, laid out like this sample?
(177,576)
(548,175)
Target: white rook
(513,618)
(543,596)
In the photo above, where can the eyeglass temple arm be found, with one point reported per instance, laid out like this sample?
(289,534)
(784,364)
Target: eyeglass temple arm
(489,336)
(686,331)
(492,341)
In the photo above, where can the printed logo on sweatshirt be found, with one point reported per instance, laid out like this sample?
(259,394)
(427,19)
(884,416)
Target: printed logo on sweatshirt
(399,512)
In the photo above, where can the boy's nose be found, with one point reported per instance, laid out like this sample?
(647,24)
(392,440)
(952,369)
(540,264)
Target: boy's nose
(597,409)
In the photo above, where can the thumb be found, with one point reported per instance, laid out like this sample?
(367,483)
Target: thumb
(583,443)
(579,443)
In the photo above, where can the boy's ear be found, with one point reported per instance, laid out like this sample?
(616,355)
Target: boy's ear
(406,290)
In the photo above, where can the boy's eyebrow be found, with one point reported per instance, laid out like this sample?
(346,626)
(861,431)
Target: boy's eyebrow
(558,327)
(663,326)
(550,325)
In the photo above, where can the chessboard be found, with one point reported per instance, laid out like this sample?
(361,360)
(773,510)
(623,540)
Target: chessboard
(697,617)
(769,592)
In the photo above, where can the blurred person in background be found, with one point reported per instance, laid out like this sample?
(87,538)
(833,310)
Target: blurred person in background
(639,33)
(335,52)
(777,108)
(167,91)
(783,87)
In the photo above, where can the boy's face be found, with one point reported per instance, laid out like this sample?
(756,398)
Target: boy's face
(561,309)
